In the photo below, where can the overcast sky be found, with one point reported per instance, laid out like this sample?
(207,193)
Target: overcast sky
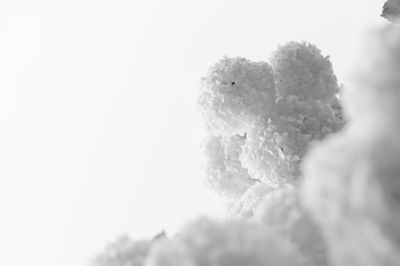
(99,134)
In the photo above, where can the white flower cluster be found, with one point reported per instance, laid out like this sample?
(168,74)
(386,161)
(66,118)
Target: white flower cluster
(224,170)
(301,70)
(262,119)
(235,92)
(274,150)
(352,184)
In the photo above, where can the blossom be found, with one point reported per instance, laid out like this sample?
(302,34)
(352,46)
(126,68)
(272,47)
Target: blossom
(274,150)
(224,172)
(235,92)
(301,70)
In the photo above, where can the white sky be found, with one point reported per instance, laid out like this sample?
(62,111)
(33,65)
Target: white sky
(99,133)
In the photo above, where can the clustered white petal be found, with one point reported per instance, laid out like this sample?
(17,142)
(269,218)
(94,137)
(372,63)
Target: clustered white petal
(262,119)
(260,129)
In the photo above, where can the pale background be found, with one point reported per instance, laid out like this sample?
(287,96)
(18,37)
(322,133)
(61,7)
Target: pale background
(99,134)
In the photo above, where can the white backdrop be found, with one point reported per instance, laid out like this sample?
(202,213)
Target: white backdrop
(99,133)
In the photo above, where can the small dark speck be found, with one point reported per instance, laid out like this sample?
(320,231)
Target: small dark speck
(233,83)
